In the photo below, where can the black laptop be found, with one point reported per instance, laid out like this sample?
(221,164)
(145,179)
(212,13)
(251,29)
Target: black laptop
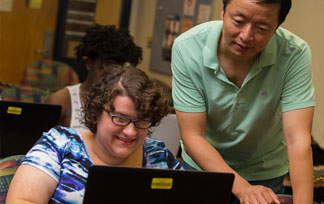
(22,124)
(115,184)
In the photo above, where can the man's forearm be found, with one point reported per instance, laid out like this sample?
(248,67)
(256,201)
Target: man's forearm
(210,160)
(301,172)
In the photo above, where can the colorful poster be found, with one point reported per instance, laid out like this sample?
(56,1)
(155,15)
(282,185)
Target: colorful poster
(172,18)
(171,31)
(189,7)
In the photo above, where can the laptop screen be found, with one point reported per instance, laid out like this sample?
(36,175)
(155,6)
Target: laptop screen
(22,124)
(115,184)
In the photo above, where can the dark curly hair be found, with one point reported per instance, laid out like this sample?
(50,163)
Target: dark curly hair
(107,43)
(115,80)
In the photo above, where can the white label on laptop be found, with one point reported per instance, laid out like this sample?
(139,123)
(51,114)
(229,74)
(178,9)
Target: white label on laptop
(14,110)
(162,183)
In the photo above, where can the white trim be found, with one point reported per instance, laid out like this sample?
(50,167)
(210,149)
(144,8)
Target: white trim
(87,1)
(83,13)
(80,22)
(75,33)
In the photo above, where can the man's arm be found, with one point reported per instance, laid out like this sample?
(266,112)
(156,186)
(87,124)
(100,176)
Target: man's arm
(192,128)
(297,126)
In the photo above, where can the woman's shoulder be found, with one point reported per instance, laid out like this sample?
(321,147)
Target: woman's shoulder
(158,155)
(155,150)
(154,145)
(64,132)
(62,136)
(58,144)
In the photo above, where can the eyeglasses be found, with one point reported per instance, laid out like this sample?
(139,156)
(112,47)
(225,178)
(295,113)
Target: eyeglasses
(124,121)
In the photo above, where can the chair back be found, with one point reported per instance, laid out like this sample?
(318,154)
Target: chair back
(49,75)
(8,167)
(24,94)
(168,132)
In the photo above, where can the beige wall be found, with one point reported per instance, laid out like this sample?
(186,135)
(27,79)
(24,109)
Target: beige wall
(305,19)
(141,27)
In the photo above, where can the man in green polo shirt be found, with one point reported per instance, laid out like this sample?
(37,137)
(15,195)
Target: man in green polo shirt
(244,98)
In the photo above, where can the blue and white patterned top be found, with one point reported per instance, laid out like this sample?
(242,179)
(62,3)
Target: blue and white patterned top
(62,154)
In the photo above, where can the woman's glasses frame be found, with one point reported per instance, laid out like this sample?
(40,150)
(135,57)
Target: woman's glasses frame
(124,121)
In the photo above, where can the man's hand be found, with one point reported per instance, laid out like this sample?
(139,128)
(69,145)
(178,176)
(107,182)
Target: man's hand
(258,195)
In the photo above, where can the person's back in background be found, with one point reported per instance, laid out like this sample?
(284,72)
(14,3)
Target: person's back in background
(100,44)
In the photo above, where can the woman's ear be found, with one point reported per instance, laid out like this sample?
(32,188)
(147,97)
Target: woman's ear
(89,63)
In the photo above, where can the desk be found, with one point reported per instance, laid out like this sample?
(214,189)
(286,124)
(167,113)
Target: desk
(287,199)
(318,184)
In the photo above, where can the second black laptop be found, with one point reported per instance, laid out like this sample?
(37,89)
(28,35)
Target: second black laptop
(22,124)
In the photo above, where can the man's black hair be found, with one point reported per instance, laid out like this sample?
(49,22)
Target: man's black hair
(107,43)
(284,9)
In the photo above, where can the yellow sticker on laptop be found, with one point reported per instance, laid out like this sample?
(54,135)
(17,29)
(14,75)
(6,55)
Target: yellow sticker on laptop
(14,110)
(162,183)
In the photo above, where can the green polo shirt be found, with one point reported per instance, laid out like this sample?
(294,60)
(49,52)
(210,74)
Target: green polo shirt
(244,123)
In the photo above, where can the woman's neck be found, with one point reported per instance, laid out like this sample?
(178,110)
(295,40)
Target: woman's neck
(100,157)
(92,76)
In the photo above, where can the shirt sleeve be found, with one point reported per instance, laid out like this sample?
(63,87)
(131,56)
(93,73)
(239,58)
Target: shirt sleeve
(298,90)
(46,153)
(186,96)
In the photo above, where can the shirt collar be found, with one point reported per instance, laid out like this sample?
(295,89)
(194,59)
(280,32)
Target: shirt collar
(210,50)
(269,55)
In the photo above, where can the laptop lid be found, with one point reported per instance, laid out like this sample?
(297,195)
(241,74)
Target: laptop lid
(115,184)
(22,124)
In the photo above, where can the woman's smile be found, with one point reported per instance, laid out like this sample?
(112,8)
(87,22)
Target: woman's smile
(126,140)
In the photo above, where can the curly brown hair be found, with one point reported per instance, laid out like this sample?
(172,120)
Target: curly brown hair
(115,80)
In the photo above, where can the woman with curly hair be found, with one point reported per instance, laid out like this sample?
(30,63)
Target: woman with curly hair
(99,44)
(119,110)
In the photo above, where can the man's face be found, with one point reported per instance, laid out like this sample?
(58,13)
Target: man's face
(248,27)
